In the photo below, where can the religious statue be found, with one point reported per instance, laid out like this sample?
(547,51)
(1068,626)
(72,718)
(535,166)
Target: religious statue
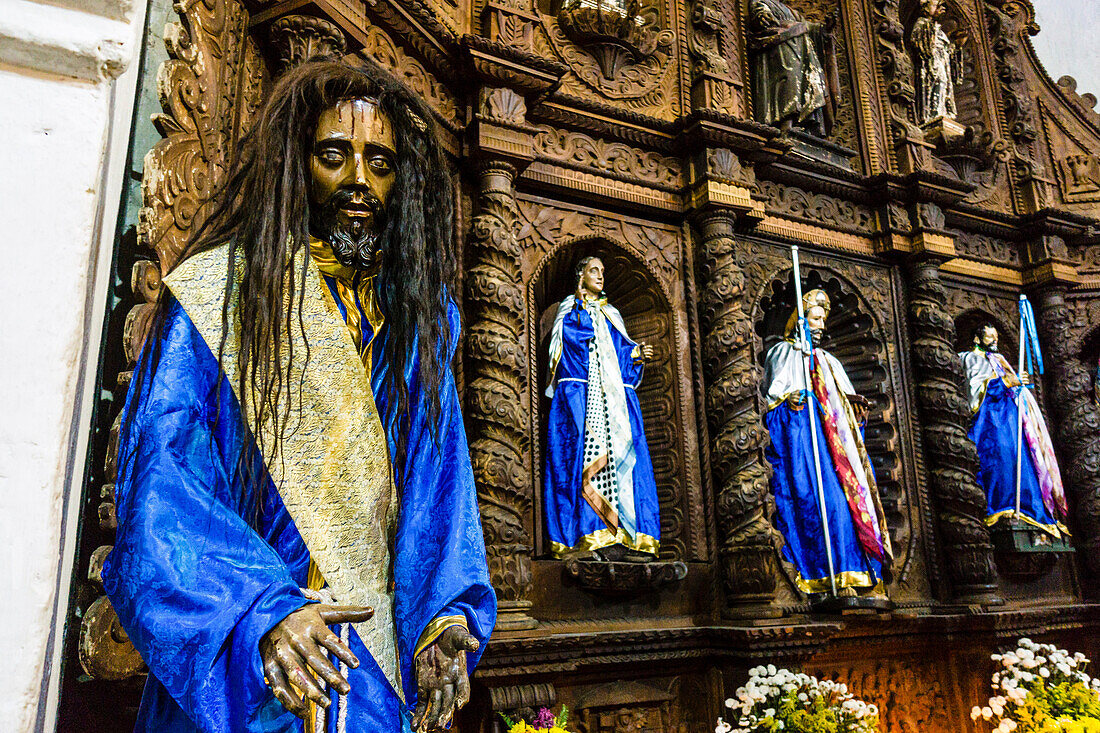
(858,538)
(940,64)
(601,495)
(997,395)
(789,85)
(292,456)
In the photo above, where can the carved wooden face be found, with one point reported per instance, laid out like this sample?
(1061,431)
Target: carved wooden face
(987,338)
(815,319)
(592,277)
(353,155)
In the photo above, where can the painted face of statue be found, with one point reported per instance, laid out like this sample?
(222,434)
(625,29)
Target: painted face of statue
(592,277)
(987,339)
(815,319)
(352,172)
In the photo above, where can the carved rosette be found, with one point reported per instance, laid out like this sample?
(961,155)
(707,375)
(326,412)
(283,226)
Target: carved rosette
(950,455)
(1077,424)
(737,432)
(497,407)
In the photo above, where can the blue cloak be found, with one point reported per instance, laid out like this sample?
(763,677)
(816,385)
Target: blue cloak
(207,558)
(571,521)
(994,432)
(797,509)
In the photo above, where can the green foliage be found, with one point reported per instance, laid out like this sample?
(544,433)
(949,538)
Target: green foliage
(1053,708)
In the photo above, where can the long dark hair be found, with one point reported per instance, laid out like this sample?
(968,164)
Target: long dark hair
(262,213)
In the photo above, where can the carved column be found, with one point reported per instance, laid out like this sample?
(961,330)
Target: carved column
(737,434)
(950,456)
(1076,421)
(497,406)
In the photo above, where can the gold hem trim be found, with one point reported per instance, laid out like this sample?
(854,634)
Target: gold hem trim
(605,538)
(435,629)
(846,579)
(1056,530)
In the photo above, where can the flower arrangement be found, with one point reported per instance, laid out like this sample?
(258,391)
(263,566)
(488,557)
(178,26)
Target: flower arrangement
(781,700)
(545,722)
(1039,688)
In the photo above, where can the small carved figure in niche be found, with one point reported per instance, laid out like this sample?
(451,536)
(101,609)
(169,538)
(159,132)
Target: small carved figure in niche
(994,392)
(601,495)
(789,86)
(940,64)
(858,534)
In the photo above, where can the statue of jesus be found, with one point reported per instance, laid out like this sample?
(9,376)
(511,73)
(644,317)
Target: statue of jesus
(298,527)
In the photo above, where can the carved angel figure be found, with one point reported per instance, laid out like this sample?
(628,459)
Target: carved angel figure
(940,64)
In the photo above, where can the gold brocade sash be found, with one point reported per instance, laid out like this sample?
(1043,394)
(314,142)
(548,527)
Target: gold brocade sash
(333,468)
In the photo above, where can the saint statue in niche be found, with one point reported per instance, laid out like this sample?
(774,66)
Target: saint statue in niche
(940,64)
(789,87)
(859,540)
(600,492)
(995,394)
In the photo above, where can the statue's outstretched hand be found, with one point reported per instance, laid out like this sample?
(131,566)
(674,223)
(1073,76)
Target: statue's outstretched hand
(443,686)
(645,351)
(293,652)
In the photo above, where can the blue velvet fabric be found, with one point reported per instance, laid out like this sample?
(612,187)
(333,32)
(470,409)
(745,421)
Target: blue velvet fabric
(197,576)
(568,516)
(994,432)
(798,513)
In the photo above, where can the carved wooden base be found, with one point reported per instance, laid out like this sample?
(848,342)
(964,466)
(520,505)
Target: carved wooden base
(513,616)
(624,578)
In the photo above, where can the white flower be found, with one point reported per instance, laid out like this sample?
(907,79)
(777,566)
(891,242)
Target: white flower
(722,727)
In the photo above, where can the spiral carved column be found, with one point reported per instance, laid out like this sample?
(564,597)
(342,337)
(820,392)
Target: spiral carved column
(737,432)
(1077,424)
(497,406)
(950,455)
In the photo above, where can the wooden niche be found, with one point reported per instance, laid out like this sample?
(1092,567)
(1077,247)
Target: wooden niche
(655,314)
(857,333)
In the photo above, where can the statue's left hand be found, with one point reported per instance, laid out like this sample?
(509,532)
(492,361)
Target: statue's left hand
(860,406)
(645,351)
(443,686)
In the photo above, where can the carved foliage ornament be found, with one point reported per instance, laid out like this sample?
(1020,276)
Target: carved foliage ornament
(635,76)
(614,31)
(577,149)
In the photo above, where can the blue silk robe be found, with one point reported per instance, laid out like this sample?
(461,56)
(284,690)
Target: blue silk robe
(793,481)
(571,521)
(197,577)
(994,431)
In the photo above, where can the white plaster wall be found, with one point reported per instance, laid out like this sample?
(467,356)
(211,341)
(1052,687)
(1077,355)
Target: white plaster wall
(57,103)
(1067,42)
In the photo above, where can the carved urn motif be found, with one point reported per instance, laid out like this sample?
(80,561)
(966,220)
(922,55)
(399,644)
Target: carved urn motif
(614,31)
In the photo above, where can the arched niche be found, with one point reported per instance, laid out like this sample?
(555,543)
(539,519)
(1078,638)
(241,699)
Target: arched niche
(855,336)
(648,314)
(969,320)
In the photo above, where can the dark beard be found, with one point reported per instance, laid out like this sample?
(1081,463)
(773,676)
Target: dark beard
(354,245)
(816,335)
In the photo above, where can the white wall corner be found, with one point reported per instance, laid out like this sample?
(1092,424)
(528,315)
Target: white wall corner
(67,42)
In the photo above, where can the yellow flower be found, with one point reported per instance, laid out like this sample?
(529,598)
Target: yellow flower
(521,727)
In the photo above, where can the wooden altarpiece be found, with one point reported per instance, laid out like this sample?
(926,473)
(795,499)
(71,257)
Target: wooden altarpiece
(644,151)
